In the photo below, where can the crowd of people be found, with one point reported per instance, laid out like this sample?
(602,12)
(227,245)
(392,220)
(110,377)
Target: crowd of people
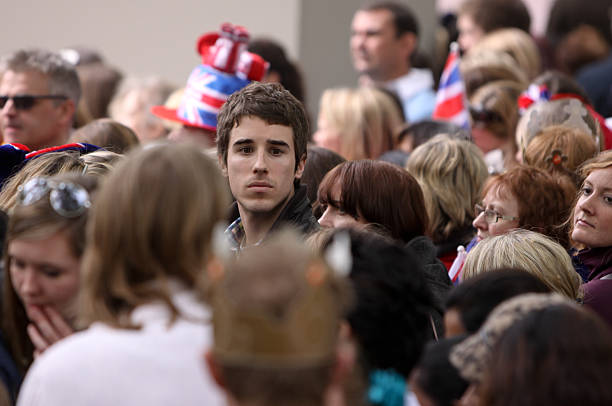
(209,245)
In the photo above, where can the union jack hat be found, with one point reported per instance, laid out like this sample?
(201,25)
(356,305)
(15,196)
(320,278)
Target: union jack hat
(226,68)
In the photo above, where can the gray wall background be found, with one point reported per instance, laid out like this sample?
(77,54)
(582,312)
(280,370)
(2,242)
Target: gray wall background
(142,37)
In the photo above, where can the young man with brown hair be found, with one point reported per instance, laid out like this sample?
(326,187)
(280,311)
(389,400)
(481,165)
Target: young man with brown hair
(262,133)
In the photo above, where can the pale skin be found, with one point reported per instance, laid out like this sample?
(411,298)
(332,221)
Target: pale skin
(379,55)
(45,276)
(261,169)
(44,125)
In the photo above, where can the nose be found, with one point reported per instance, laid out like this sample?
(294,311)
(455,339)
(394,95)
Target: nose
(260,164)
(326,219)
(585,204)
(8,108)
(480,223)
(30,285)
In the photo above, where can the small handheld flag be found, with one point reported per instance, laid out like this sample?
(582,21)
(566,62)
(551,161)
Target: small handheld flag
(451,103)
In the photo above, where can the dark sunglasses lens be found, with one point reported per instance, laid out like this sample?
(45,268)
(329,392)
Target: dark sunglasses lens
(20,102)
(23,102)
(69,200)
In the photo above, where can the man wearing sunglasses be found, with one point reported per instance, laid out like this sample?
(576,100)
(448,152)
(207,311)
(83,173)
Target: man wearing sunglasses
(39,92)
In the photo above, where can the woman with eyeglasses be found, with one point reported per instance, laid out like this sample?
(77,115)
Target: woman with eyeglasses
(524,197)
(494,115)
(44,244)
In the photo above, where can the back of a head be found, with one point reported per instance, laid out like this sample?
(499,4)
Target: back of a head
(320,161)
(424,130)
(436,376)
(498,97)
(561,149)
(391,296)
(447,167)
(152,223)
(289,74)
(48,164)
(367,118)
(99,82)
(478,69)
(566,15)
(379,193)
(529,251)
(495,14)
(108,134)
(569,112)
(558,355)
(476,297)
(581,47)
(289,303)
(557,82)
(514,42)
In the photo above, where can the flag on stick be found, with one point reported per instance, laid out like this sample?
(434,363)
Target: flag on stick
(451,102)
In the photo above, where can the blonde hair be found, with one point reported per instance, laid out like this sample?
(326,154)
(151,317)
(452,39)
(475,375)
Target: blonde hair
(367,118)
(533,252)
(516,43)
(478,69)
(96,163)
(48,164)
(575,145)
(451,173)
(38,221)
(152,223)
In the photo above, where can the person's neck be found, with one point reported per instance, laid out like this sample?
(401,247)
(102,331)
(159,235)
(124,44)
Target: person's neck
(391,75)
(257,224)
(60,139)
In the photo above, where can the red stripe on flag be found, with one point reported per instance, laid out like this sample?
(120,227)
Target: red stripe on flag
(212,101)
(449,107)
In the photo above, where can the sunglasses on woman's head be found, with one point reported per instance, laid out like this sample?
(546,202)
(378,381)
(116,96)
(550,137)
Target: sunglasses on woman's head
(27,101)
(66,198)
(484,116)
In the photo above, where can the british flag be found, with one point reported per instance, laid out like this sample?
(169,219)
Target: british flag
(451,103)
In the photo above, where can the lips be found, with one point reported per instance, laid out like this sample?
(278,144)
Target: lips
(583,223)
(259,186)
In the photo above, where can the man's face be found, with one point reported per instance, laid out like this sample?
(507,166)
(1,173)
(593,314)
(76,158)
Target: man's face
(261,166)
(44,124)
(376,50)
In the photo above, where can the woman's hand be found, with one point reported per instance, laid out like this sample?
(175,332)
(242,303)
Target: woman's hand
(47,327)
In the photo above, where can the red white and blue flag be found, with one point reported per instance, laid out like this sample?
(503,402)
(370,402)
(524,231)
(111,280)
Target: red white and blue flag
(451,102)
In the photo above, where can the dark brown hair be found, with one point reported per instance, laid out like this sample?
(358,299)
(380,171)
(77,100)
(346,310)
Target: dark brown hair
(544,200)
(560,355)
(269,102)
(381,193)
(320,161)
(403,19)
(491,15)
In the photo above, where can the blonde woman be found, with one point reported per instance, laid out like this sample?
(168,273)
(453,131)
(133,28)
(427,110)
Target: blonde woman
(149,244)
(358,123)
(530,251)
(451,173)
(516,43)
